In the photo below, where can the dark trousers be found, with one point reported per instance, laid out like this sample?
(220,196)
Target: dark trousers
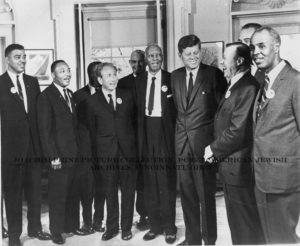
(17,177)
(242,215)
(99,196)
(85,186)
(114,174)
(140,203)
(279,216)
(160,179)
(63,199)
(197,183)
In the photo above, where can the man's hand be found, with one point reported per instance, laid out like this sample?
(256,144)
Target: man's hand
(208,154)
(56,164)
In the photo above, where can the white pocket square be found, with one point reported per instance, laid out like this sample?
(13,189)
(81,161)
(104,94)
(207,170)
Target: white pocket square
(168,96)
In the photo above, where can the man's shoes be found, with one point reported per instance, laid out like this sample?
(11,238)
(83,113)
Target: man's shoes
(185,242)
(80,232)
(4,232)
(170,238)
(99,227)
(40,235)
(150,236)
(143,224)
(126,235)
(14,242)
(87,229)
(109,235)
(57,238)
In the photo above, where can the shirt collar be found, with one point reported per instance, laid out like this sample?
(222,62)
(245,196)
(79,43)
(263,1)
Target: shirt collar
(157,75)
(194,72)
(92,89)
(237,77)
(60,88)
(106,92)
(276,70)
(13,76)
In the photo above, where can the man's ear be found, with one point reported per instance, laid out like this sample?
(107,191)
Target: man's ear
(179,55)
(99,80)
(276,47)
(240,61)
(53,75)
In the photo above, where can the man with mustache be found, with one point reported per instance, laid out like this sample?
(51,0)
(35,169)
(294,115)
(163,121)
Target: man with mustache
(276,119)
(57,123)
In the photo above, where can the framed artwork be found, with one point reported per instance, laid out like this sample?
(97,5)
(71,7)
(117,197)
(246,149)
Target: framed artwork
(212,53)
(38,64)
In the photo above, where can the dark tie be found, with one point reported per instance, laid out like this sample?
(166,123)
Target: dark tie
(111,102)
(263,97)
(190,87)
(151,96)
(67,99)
(20,89)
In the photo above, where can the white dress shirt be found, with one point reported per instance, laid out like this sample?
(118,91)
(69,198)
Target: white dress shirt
(236,78)
(92,89)
(187,78)
(13,77)
(156,112)
(113,96)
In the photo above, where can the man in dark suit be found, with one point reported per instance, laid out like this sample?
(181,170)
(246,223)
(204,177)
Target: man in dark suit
(20,146)
(245,36)
(156,121)
(111,117)
(138,65)
(276,141)
(58,133)
(86,182)
(232,146)
(197,90)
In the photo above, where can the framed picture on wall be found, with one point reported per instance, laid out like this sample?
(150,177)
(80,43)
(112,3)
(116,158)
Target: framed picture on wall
(38,64)
(212,53)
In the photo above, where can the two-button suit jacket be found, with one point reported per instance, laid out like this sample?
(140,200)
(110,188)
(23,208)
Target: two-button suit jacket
(111,129)
(168,111)
(195,121)
(277,135)
(233,132)
(18,128)
(57,125)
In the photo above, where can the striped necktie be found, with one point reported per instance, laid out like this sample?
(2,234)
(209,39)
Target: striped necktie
(263,97)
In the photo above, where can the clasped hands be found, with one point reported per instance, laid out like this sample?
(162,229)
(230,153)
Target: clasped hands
(208,155)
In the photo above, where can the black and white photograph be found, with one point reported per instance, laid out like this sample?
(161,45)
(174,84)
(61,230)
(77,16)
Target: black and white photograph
(149,122)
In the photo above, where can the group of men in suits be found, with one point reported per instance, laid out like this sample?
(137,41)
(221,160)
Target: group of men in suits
(150,129)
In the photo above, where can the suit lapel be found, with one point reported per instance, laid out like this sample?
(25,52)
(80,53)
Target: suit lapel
(182,88)
(143,91)
(28,93)
(277,83)
(15,95)
(198,82)
(163,93)
(103,101)
(60,97)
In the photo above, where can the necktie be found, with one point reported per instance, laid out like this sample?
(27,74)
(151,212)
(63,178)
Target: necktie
(190,86)
(263,94)
(151,96)
(67,99)
(20,88)
(229,84)
(111,102)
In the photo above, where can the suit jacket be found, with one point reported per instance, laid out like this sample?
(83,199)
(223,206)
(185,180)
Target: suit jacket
(168,111)
(277,136)
(195,120)
(127,82)
(57,125)
(112,129)
(18,128)
(233,132)
(84,142)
